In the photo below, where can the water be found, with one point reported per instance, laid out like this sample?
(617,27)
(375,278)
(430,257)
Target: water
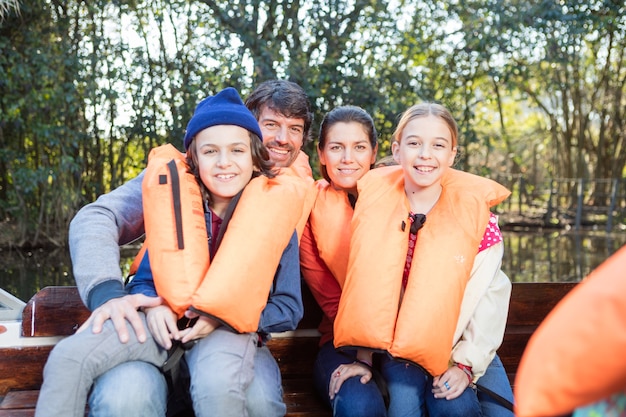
(557,256)
(529,257)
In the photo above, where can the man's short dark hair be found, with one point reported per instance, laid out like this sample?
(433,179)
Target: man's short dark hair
(284,97)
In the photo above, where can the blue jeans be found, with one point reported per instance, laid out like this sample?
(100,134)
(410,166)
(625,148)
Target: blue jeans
(465,405)
(131,389)
(140,389)
(354,398)
(221,368)
(265,395)
(496,380)
(410,394)
(77,361)
(407,385)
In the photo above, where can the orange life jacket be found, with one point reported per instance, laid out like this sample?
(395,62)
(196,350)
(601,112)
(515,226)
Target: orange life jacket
(421,328)
(235,286)
(576,356)
(302,170)
(324,259)
(330,224)
(175,228)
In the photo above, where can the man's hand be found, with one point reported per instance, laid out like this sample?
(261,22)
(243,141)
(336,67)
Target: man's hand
(119,311)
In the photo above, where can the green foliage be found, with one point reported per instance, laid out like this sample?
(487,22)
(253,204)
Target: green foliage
(87,89)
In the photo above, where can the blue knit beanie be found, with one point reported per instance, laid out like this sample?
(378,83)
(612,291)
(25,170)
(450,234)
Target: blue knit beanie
(224,108)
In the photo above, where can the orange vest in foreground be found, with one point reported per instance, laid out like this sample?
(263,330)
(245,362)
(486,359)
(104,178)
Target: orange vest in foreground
(421,329)
(576,356)
(235,287)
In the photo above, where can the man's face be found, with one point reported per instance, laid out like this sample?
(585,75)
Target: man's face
(282,136)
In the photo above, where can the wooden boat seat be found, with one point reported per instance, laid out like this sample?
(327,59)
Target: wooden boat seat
(59,311)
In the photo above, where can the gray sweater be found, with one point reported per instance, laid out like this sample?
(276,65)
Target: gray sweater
(95,236)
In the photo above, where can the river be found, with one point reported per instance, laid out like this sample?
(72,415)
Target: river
(540,256)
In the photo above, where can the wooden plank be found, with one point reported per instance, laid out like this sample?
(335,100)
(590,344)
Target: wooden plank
(41,315)
(295,356)
(302,400)
(20,399)
(21,403)
(17,413)
(532,301)
(21,368)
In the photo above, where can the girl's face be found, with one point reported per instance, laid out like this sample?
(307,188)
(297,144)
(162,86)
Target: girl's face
(224,161)
(347,154)
(425,152)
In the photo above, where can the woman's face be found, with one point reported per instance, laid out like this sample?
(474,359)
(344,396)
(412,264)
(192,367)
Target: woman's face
(224,161)
(347,154)
(425,151)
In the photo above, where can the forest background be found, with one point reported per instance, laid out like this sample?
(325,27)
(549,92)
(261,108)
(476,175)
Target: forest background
(87,88)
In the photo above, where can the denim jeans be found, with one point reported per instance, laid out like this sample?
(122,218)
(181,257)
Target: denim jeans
(495,379)
(354,398)
(221,368)
(140,389)
(265,393)
(407,385)
(465,405)
(77,361)
(131,389)
(410,394)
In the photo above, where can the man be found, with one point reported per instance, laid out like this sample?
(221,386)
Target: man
(116,218)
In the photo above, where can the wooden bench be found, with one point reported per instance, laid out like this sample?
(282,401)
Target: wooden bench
(21,367)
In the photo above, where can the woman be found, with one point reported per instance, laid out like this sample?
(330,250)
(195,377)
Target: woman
(347,150)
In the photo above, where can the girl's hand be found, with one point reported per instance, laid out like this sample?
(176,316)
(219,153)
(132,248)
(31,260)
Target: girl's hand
(202,328)
(450,384)
(162,324)
(346,371)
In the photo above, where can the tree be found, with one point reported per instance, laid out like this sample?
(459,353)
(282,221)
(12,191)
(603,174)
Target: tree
(567,59)
(6,6)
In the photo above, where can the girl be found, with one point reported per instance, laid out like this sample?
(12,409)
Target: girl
(413,259)
(223,288)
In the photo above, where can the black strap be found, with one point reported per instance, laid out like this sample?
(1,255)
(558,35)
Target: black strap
(496,397)
(178,216)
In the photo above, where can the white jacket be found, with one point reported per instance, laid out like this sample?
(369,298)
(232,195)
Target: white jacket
(484,312)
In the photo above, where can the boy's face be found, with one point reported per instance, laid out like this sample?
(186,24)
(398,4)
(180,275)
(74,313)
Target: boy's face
(224,161)
(282,136)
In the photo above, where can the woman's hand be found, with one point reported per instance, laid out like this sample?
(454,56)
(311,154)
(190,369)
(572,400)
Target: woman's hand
(346,371)
(162,324)
(202,328)
(450,384)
